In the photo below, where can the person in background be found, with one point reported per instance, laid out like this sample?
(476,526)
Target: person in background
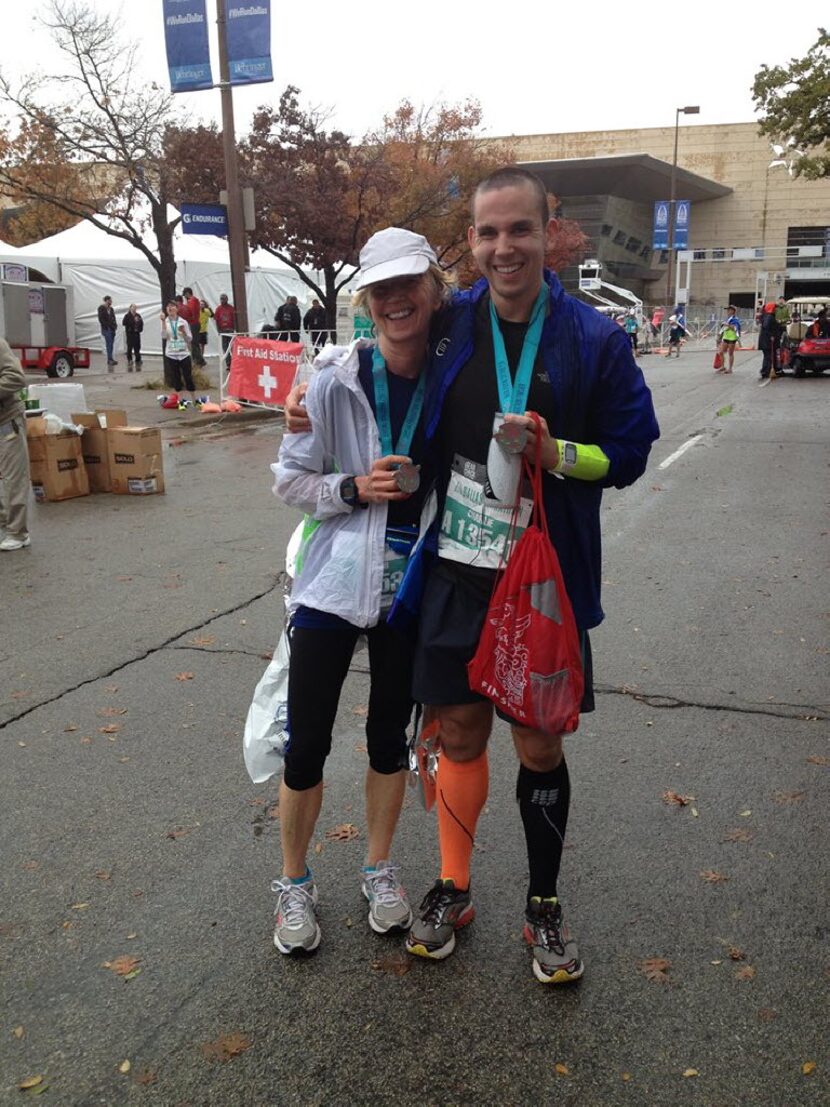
(108,325)
(730,335)
(177,339)
(133,325)
(225,316)
(314,323)
(631,328)
(14,454)
(205,316)
(189,312)
(820,327)
(676,333)
(287,319)
(769,337)
(782,312)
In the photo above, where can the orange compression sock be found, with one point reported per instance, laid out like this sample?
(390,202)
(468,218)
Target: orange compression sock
(462,793)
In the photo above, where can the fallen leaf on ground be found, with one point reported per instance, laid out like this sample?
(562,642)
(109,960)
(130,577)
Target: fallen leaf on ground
(122,580)
(735,953)
(767,1014)
(184,676)
(30,1082)
(342,833)
(318,849)
(711,876)
(146,1076)
(122,966)
(112,688)
(655,968)
(203,640)
(626,1076)
(113,728)
(86,741)
(739,834)
(124,1067)
(273,811)
(745,814)
(102,874)
(720,412)
(78,906)
(789,797)
(180,831)
(360,748)
(676,798)
(808,1067)
(31,866)
(226,1047)
(818,760)
(396,964)
(561,1070)
(18,1032)
(361,710)
(746,973)
(110,712)
(691,1072)
(70,727)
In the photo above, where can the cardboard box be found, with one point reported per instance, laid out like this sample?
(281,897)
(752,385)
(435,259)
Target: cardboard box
(135,461)
(94,443)
(57,468)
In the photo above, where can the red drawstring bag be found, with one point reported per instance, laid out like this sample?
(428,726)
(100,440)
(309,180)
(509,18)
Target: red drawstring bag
(718,362)
(528,660)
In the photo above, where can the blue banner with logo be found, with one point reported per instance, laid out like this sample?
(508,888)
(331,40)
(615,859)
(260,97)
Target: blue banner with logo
(204,219)
(681,224)
(186,38)
(249,41)
(660,234)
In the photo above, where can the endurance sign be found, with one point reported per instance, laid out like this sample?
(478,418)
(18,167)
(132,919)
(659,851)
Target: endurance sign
(204,219)
(249,41)
(186,38)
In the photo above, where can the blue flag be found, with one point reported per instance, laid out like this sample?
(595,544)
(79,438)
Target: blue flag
(186,37)
(681,224)
(249,41)
(660,237)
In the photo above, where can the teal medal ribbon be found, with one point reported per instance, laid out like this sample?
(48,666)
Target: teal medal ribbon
(513,393)
(383,414)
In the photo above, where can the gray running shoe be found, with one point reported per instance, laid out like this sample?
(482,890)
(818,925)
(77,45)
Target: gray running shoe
(555,955)
(445,909)
(295,922)
(388,906)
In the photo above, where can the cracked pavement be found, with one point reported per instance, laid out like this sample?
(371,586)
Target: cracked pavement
(132,634)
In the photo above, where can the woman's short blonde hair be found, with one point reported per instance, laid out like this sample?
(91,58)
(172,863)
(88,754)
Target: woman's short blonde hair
(443,279)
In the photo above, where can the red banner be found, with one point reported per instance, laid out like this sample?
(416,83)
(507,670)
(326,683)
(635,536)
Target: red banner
(262,371)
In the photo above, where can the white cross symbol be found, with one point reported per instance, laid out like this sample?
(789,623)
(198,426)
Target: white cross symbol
(266,382)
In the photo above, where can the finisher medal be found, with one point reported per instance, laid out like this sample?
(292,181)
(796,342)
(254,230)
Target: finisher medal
(512,437)
(408,478)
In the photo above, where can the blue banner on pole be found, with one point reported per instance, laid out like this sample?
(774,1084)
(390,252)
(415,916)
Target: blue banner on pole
(186,37)
(204,219)
(660,235)
(681,224)
(249,41)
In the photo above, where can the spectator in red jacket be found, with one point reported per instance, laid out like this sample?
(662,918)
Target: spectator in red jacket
(190,313)
(225,317)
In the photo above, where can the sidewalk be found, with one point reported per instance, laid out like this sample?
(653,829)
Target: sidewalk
(129,391)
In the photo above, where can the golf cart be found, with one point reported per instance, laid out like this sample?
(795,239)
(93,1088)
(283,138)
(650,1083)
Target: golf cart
(800,351)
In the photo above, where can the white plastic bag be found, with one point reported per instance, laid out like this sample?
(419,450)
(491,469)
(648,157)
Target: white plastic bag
(266,737)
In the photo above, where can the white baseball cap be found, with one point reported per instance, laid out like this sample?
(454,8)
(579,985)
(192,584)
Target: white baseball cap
(394,252)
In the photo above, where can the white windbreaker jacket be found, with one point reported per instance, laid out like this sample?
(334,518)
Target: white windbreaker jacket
(342,563)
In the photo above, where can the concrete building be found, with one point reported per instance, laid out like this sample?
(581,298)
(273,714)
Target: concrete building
(748,215)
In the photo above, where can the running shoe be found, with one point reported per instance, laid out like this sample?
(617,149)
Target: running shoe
(445,909)
(388,906)
(295,922)
(555,954)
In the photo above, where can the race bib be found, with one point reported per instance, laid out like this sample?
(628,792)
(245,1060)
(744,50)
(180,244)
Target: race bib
(396,551)
(475,526)
(176,345)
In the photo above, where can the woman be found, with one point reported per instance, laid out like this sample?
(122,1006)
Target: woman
(177,342)
(730,333)
(355,473)
(205,316)
(133,325)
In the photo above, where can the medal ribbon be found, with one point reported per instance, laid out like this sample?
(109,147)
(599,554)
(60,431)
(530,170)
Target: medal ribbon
(382,410)
(513,393)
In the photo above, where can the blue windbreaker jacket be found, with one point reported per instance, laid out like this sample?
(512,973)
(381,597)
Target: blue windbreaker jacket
(601,399)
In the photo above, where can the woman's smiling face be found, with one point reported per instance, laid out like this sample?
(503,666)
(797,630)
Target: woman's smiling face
(402,308)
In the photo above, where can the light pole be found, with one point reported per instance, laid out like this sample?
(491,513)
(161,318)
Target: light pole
(236,224)
(694,110)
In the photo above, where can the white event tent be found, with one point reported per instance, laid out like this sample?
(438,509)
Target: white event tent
(97,264)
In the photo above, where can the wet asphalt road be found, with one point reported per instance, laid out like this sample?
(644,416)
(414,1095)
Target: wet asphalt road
(150,842)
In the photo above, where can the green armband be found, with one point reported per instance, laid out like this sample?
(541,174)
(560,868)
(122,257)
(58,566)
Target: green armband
(580,461)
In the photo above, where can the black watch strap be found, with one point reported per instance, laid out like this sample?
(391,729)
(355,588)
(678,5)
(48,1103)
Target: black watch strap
(348,491)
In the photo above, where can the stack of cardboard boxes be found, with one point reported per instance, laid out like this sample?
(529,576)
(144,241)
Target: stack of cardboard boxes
(109,457)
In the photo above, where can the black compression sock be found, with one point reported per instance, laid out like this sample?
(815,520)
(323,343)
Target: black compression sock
(544,799)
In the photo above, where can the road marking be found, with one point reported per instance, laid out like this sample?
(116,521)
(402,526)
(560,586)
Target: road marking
(679,453)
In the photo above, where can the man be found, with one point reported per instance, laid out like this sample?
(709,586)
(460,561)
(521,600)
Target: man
(597,426)
(14,454)
(769,337)
(314,323)
(108,325)
(190,312)
(596,429)
(287,320)
(225,316)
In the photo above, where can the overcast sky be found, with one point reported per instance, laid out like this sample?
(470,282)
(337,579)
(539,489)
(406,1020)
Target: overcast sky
(534,67)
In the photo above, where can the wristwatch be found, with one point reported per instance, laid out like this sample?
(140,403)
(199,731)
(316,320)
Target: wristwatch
(348,491)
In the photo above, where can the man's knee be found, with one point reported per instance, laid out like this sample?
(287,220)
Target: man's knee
(541,753)
(464,729)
